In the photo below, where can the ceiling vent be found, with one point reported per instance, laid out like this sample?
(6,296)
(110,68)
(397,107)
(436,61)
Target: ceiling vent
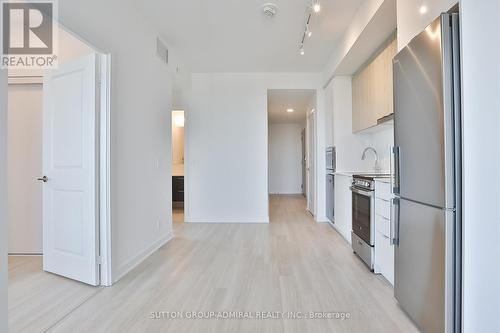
(269,10)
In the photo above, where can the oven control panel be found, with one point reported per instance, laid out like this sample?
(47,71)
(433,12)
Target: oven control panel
(363,183)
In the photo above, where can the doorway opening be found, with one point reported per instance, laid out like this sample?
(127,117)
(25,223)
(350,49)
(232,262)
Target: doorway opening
(178,122)
(291,146)
(58,184)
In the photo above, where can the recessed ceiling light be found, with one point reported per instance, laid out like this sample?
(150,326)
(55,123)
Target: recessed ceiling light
(309,33)
(290,110)
(302,52)
(423,10)
(179,120)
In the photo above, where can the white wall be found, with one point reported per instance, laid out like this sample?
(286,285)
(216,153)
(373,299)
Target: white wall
(382,140)
(69,47)
(411,21)
(226,160)
(3,200)
(285,158)
(141,88)
(481,134)
(329,123)
(24,167)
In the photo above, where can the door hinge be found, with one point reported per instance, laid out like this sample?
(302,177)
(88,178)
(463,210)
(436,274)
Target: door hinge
(99,260)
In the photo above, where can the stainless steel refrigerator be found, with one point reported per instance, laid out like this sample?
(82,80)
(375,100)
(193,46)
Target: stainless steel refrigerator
(426,229)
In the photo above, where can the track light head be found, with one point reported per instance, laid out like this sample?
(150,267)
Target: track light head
(316,6)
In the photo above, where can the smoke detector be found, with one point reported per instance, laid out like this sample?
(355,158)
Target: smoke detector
(269,10)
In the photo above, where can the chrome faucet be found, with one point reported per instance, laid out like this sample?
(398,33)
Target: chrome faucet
(363,157)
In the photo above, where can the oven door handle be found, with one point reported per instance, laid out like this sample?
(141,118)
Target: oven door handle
(361,192)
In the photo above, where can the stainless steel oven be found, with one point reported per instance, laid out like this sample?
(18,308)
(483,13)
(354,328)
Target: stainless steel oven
(363,218)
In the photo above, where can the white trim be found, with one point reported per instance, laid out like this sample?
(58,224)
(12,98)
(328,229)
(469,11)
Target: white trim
(319,158)
(186,166)
(135,261)
(287,193)
(311,145)
(104,170)
(262,220)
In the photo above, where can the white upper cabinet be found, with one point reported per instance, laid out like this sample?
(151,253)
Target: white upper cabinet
(372,97)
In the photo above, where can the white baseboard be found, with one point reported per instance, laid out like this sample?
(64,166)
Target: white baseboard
(322,219)
(346,237)
(286,193)
(228,220)
(135,261)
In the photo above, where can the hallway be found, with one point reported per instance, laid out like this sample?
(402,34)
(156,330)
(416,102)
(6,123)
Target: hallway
(292,264)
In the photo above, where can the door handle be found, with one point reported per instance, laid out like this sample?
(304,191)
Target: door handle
(43,179)
(396,179)
(394,225)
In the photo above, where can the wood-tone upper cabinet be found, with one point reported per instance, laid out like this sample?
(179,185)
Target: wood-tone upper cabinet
(372,91)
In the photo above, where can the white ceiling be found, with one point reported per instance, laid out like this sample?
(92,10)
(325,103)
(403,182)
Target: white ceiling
(234,35)
(279,100)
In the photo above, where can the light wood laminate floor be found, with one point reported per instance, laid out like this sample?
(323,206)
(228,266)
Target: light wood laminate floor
(292,264)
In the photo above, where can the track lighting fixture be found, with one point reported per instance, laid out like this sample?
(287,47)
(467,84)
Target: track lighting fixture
(316,6)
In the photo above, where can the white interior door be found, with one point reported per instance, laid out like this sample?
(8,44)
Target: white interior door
(70,214)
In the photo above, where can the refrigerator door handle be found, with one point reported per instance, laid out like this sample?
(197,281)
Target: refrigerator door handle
(391,169)
(396,152)
(394,226)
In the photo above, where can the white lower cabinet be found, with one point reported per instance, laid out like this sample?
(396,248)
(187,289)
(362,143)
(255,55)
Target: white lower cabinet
(343,206)
(384,251)
(384,256)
